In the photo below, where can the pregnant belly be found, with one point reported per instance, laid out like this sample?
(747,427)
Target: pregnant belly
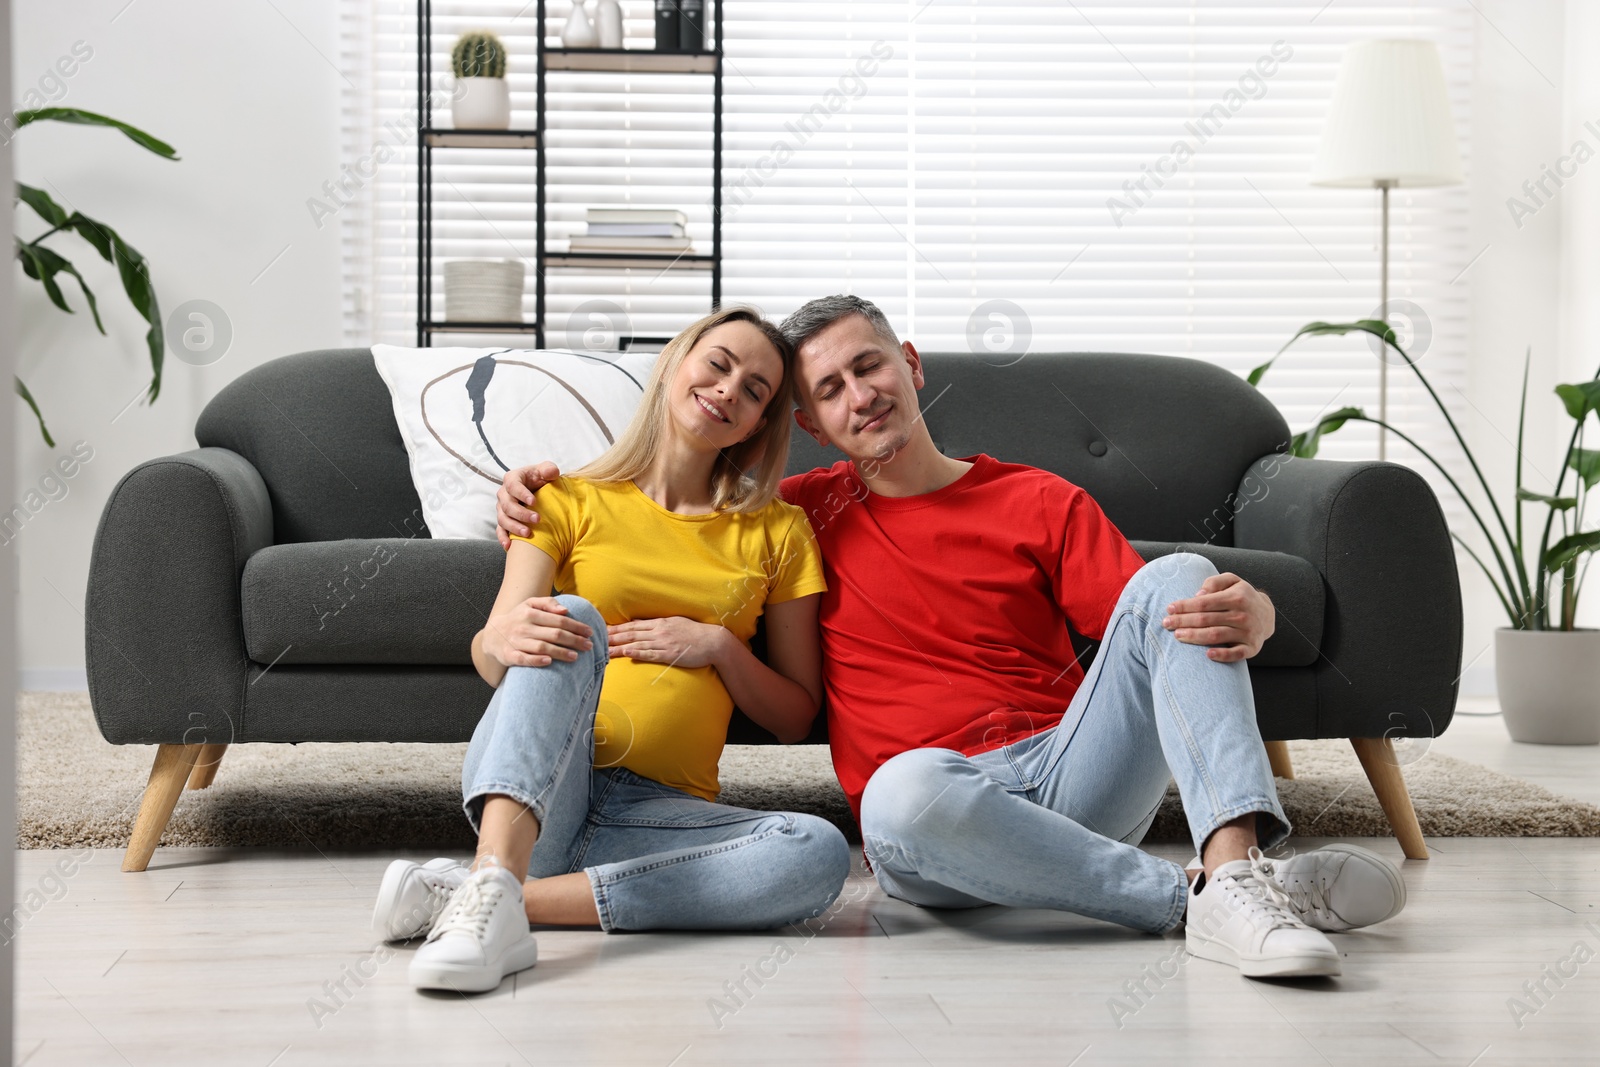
(668,724)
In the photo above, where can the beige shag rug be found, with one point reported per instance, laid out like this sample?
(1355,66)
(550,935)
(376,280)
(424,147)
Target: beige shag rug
(74,790)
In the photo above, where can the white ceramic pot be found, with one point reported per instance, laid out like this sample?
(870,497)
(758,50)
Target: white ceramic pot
(1549,685)
(481,104)
(483,290)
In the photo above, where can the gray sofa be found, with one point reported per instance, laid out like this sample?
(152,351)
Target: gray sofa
(278,583)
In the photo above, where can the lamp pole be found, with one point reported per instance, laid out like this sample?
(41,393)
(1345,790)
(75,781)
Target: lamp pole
(1384,185)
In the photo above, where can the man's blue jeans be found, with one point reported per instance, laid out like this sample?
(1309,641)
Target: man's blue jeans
(656,857)
(1052,820)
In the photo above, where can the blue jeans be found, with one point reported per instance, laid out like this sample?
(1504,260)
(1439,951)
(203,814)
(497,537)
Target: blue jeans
(656,857)
(1052,820)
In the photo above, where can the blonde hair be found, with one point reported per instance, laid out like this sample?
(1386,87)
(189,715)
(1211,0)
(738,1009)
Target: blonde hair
(745,477)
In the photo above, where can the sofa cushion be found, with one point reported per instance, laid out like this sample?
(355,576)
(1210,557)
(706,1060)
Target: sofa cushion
(1160,442)
(384,600)
(415,602)
(319,428)
(1293,584)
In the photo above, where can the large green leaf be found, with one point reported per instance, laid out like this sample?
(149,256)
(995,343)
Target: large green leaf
(136,282)
(43,205)
(1586,461)
(1560,503)
(1571,547)
(40,262)
(1376,327)
(1305,444)
(44,264)
(33,268)
(94,232)
(90,118)
(22,391)
(1581,398)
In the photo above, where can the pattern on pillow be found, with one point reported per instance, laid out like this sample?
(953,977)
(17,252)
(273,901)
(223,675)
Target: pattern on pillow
(468,415)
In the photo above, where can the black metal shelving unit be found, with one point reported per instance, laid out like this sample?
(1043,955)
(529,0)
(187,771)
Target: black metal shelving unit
(599,60)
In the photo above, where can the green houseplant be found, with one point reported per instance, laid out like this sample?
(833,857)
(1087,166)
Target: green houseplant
(1549,685)
(478,54)
(481,100)
(43,263)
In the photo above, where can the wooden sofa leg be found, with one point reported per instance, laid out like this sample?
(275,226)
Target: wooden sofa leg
(1383,771)
(205,766)
(167,775)
(1278,756)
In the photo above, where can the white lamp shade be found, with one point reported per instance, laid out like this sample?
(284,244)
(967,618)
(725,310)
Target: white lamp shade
(1389,120)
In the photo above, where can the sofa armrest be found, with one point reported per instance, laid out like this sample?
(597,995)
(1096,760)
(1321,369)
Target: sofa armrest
(164,638)
(1391,639)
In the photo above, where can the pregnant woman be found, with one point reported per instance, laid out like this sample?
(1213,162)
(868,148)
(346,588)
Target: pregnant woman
(592,777)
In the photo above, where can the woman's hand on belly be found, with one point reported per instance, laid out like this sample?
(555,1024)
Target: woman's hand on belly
(674,641)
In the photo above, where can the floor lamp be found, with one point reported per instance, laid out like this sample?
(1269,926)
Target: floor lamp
(1388,126)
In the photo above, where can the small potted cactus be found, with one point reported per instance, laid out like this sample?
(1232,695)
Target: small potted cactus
(481,100)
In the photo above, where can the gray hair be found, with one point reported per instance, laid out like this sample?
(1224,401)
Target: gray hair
(817,315)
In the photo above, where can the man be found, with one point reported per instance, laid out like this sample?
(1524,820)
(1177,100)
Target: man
(983,764)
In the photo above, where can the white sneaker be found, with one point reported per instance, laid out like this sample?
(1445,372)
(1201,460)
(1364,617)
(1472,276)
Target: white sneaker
(1241,916)
(480,937)
(1340,887)
(412,896)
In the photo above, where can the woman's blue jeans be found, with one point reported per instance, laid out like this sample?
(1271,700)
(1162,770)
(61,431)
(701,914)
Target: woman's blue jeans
(1052,820)
(656,857)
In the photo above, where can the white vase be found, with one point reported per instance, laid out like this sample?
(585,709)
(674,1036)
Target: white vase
(608,23)
(1549,685)
(481,104)
(579,31)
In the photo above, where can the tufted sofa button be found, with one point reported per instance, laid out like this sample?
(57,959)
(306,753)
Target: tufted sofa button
(1097,448)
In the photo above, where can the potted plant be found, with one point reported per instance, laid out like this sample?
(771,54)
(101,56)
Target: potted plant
(481,100)
(1547,670)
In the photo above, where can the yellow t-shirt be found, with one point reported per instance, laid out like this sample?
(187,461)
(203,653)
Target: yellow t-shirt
(633,559)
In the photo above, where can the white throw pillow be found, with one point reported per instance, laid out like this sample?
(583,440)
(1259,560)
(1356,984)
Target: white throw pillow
(468,415)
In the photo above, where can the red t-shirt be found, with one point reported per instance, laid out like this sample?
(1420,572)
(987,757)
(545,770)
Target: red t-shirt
(945,620)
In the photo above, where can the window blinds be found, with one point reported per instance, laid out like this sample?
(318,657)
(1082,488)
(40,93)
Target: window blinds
(1000,178)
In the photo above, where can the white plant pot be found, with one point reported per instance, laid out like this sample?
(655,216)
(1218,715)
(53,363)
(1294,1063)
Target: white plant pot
(483,290)
(1549,685)
(481,104)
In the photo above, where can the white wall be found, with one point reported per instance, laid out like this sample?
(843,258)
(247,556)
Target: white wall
(250,99)
(8,602)
(1536,284)
(1580,214)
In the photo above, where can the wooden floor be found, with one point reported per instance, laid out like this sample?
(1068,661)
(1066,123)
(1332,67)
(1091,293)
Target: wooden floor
(256,957)
(1477,734)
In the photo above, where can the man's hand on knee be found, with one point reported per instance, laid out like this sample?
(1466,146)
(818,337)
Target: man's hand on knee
(1229,614)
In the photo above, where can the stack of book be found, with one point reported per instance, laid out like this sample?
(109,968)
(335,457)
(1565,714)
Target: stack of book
(626,229)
